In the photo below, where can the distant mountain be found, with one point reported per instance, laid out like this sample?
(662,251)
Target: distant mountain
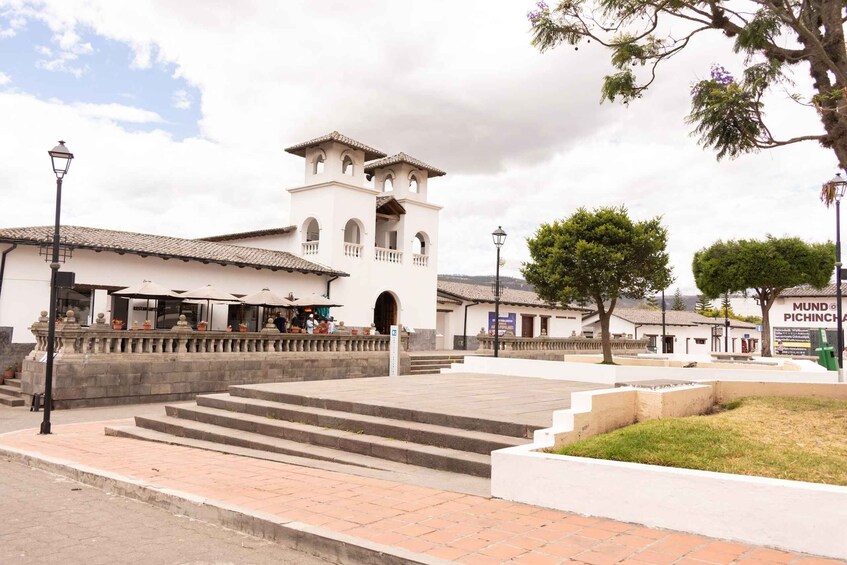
(520,284)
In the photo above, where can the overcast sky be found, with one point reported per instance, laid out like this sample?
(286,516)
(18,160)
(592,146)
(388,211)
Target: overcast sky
(178,119)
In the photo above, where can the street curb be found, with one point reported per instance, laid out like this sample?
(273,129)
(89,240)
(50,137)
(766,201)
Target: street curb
(314,540)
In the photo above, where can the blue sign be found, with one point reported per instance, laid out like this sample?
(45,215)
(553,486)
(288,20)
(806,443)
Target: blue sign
(508,323)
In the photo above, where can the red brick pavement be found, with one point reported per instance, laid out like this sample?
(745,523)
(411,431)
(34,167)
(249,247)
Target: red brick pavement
(452,526)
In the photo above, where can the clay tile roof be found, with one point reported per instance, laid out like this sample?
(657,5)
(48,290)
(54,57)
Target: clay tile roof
(403,158)
(646,316)
(249,234)
(389,205)
(370,152)
(806,290)
(484,293)
(166,247)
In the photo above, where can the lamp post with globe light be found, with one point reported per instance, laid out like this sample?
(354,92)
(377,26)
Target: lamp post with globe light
(61,158)
(837,188)
(499,237)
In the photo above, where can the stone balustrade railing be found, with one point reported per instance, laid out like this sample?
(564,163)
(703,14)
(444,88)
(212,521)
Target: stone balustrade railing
(100,339)
(511,343)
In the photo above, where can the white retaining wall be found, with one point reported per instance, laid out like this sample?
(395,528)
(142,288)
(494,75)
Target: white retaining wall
(611,374)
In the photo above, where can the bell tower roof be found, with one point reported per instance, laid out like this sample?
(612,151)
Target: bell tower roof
(370,152)
(403,158)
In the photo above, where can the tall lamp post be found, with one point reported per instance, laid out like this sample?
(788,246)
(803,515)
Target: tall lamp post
(838,186)
(499,237)
(664,310)
(61,158)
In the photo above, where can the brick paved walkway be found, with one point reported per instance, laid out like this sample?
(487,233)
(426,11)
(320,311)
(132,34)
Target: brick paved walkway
(446,525)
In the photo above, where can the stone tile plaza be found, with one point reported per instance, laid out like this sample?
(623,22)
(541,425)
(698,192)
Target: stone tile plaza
(382,283)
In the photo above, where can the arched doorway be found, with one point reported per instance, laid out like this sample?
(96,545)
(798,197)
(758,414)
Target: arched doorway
(385,312)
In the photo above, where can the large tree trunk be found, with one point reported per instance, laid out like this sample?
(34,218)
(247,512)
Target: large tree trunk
(766,300)
(606,338)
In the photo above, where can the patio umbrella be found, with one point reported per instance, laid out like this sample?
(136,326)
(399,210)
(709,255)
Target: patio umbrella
(209,294)
(148,290)
(266,298)
(315,300)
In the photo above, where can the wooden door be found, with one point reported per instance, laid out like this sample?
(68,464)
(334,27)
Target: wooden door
(526,325)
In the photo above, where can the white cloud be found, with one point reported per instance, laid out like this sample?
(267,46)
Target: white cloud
(4,79)
(521,134)
(181,100)
(118,113)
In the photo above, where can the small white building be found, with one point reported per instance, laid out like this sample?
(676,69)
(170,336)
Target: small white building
(685,332)
(798,314)
(361,231)
(466,309)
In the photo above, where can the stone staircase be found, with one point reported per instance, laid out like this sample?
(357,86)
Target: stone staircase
(351,433)
(429,363)
(10,393)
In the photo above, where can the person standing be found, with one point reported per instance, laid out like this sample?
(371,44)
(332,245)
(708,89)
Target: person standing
(331,325)
(310,324)
(279,322)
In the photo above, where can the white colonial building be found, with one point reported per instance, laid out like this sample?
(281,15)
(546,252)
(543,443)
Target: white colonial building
(467,309)
(361,231)
(685,332)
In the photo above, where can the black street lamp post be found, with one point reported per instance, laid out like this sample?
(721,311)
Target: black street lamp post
(726,322)
(839,188)
(499,237)
(664,310)
(61,158)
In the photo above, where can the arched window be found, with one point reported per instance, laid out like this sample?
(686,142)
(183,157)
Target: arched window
(419,245)
(347,166)
(312,229)
(319,165)
(414,186)
(388,184)
(352,232)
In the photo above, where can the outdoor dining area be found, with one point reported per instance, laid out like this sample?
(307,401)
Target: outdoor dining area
(196,309)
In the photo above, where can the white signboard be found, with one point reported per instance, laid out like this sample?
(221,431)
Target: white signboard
(394,352)
(806,313)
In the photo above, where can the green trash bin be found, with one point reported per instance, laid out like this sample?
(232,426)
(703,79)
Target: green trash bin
(826,357)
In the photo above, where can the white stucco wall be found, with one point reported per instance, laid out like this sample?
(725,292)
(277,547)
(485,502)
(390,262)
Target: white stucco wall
(561,323)
(26,288)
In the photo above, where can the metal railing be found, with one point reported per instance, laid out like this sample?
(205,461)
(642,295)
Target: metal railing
(388,255)
(486,342)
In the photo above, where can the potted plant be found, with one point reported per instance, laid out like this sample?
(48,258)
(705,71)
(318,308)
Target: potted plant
(147,325)
(229,328)
(9,372)
(201,326)
(242,327)
(117,324)
(295,330)
(135,325)
(354,331)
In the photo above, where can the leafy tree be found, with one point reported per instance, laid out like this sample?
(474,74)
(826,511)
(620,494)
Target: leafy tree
(597,257)
(767,267)
(678,303)
(651,302)
(728,113)
(703,304)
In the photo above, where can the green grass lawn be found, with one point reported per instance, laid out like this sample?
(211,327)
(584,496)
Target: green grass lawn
(803,439)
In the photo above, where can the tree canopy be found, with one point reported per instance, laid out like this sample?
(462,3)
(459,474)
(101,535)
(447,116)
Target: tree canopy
(727,112)
(596,257)
(766,266)
(678,302)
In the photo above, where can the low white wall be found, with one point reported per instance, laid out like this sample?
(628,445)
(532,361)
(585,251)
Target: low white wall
(610,374)
(789,515)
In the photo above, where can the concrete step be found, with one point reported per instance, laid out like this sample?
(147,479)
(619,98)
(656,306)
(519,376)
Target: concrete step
(391,471)
(428,434)
(430,367)
(9,400)
(395,413)
(13,382)
(436,358)
(410,453)
(261,433)
(10,390)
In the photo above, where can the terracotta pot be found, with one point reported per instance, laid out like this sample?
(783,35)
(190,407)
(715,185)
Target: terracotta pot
(9,374)
(117,326)
(354,332)
(201,328)
(242,328)
(147,327)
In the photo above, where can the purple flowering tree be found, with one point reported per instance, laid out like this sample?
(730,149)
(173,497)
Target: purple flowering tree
(727,111)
